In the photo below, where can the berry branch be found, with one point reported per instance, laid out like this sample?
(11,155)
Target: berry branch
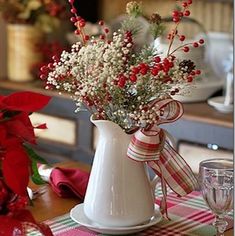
(79,22)
(177,16)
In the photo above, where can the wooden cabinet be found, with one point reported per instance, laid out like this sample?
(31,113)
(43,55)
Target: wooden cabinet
(200,124)
(204,125)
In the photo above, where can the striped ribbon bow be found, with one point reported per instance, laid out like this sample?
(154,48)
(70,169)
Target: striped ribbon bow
(151,146)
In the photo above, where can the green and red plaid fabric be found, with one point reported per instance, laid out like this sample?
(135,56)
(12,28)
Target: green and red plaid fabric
(175,171)
(189,217)
(150,146)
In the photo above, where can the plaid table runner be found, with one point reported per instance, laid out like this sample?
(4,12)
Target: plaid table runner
(189,216)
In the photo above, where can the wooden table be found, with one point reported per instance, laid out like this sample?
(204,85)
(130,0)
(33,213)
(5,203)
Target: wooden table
(49,205)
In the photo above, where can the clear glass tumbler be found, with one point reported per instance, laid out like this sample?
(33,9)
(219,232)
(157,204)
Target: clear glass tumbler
(216,183)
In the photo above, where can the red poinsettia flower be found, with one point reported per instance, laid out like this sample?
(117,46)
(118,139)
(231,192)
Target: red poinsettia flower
(16,131)
(23,101)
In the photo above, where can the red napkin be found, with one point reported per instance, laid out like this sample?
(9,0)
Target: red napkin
(69,182)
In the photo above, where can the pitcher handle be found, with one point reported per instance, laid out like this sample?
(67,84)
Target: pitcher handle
(170,139)
(155,183)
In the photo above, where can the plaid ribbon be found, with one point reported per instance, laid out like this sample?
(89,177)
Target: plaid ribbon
(151,146)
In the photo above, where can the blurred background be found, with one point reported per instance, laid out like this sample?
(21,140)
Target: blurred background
(206,129)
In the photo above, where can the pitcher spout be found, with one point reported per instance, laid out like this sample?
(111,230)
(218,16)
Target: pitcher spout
(107,127)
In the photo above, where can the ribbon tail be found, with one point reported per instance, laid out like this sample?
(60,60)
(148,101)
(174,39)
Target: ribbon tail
(176,172)
(163,203)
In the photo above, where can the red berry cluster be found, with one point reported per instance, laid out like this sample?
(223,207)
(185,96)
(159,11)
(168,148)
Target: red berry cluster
(47,66)
(128,44)
(192,74)
(162,65)
(104,29)
(143,69)
(122,79)
(97,103)
(177,15)
(128,38)
(159,65)
(195,44)
(49,50)
(79,22)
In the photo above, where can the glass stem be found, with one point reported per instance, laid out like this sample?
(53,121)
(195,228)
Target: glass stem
(220,225)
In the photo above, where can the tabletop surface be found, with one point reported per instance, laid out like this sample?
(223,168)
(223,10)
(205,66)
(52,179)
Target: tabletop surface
(48,205)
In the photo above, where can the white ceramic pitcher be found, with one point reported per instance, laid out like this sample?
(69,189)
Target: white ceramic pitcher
(119,191)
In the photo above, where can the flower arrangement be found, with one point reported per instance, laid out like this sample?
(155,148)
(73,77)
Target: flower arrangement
(18,161)
(113,80)
(45,14)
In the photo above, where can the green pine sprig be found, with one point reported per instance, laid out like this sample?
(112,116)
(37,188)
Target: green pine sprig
(146,54)
(156,30)
(131,25)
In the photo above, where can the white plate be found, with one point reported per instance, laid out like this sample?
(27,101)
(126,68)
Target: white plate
(77,215)
(218,104)
(201,92)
